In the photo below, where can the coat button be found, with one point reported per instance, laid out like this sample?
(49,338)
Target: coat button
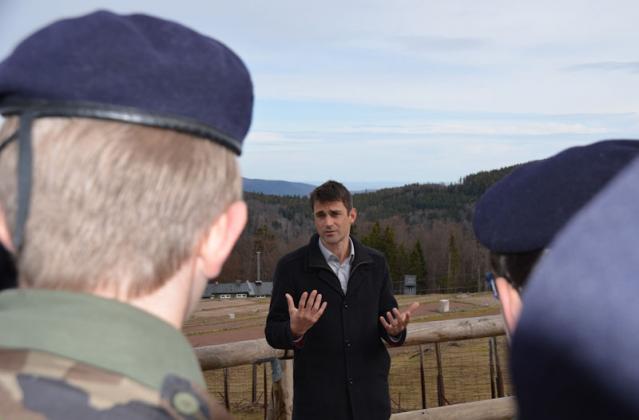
(350,381)
(185,403)
(346,306)
(348,343)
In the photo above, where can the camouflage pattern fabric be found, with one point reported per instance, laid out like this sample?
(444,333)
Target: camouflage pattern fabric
(37,385)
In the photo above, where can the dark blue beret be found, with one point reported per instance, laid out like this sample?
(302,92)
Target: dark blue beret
(575,348)
(523,211)
(135,68)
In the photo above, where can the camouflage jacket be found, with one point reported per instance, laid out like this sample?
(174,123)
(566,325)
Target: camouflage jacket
(75,356)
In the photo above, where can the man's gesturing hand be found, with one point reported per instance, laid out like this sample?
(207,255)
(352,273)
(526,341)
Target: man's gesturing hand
(303,317)
(396,321)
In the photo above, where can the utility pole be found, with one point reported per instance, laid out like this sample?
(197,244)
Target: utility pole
(259,274)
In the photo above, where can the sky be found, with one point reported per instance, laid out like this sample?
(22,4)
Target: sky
(380,93)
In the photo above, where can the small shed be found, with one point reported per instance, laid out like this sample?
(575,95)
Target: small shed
(410,284)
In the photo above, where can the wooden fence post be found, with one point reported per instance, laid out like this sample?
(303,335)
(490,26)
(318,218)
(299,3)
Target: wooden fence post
(226,389)
(491,365)
(500,378)
(254,384)
(281,390)
(441,398)
(287,387)
(421,375)
(265,392)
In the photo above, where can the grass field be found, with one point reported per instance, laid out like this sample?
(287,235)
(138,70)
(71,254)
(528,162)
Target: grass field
(465,364)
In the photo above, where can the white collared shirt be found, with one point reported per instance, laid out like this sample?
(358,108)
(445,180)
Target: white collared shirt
(341,270)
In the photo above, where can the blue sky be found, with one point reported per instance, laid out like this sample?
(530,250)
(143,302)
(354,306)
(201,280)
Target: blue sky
(381,92)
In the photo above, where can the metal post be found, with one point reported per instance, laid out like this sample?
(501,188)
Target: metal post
(259,266)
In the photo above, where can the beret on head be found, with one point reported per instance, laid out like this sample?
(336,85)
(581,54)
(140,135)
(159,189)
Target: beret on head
(134,68)
(523,211)
(574,351)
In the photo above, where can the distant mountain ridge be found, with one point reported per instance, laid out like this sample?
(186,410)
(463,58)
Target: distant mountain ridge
(289,218)
(445,201)
(276,187)
(300,189)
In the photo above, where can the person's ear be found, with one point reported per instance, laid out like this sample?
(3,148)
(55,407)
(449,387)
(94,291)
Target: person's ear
(353,215)
(221,238)
(511,304)
(5,236)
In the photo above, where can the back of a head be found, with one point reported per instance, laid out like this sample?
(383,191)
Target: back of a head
(517,218)
(574,350)
(114,204)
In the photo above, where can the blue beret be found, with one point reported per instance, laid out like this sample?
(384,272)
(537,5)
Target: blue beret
(574,351)
(135,68)
(523,211)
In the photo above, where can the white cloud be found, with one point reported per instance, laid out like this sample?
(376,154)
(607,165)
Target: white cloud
(264,136)
(467,56)
(629,66)
(495,128)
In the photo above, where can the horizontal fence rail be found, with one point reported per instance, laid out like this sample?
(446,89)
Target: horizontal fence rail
(256,351)
(496,409)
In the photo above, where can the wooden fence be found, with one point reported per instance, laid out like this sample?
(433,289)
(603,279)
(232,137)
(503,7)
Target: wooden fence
(258,351)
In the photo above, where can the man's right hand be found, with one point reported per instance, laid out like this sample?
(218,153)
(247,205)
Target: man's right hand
(303,317)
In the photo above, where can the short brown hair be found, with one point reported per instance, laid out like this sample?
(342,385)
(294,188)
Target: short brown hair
(332,191)
(115,205)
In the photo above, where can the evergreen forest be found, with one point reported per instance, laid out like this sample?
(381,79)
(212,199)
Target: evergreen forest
(423,229)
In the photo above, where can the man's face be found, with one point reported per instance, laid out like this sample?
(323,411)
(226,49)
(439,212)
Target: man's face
(333,221)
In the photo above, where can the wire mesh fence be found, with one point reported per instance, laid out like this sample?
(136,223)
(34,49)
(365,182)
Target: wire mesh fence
(245,390)
(420,377)
(467,370)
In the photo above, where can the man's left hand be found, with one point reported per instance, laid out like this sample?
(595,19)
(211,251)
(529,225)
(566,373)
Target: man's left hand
(396,321)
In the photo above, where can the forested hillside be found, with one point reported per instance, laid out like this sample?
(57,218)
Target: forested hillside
(424,229)
(276,187)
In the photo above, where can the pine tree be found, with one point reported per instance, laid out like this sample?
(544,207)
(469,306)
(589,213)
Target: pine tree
(374,238)
(354,230)
(454,263)
(417,265)
(390,251)
(263,239)
(384,242)
(403,261)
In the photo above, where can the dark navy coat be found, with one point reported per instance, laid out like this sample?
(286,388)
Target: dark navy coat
(341,368)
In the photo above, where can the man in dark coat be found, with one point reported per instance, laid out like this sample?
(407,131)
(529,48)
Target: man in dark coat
(345,307)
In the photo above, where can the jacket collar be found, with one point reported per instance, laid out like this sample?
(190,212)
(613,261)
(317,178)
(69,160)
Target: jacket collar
(101,332)
(316,258)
